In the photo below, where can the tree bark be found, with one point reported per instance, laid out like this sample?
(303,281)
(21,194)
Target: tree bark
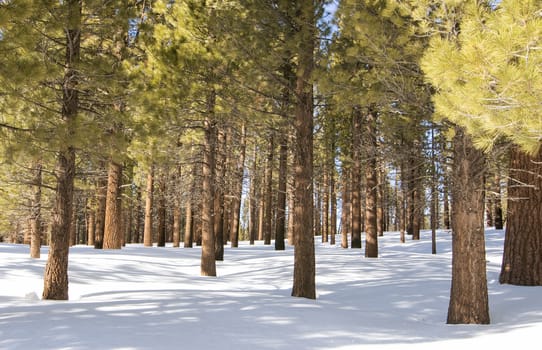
(468,296)
(355,176)
(371,186)
(161,210)
(101,196)
(147,229)
(522,258)
(35,212)
(113,228)
(238,191)
(346,215)
(91,226)
(208,262)
(218,211)
(267,223)
(280,230)
(56,270)
(304,260)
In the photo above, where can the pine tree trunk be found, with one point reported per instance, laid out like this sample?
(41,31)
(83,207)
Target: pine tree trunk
(161,210)
(220,169)
(280,231)
(253,200)
(522,259)
(356,180)
(73,224)
(304,260)
(333,207)
(497,205)
(238,192)
(56,270)
(446,206)
(188,226)
(325,207)
(371,185)
(35,212)
(101,196)
(113,228)
(290,198)
(269,191)
(147,229)
(208,263)
(346,215)
(177,212)
(468,296)
(91,226)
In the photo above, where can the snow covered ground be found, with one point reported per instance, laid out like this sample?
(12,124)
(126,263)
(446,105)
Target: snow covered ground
(153,298)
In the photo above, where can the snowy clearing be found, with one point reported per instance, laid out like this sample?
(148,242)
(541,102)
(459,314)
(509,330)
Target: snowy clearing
(153,298)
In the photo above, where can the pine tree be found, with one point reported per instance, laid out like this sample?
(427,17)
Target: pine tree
(494,94)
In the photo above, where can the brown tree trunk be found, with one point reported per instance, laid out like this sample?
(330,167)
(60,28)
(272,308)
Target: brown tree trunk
(218,210)
(290,198)
(113,228)
(208,262)
(238,191)
(91,226)
(371,185)
(401,205)
(280,231)
(497,204)
(35,212)
(468,296)
(325,206)
(304,260)
(355,176)
(522,259)
(346,214)
(177,212)
(446,205)
(56,270)
(73,224)
(268,191)
(147,229)
(101,196)
(333,207)
(253,200)
(161,210)
(188,226)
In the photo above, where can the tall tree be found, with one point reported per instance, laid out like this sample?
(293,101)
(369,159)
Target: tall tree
(468,297)
(56,270)
(500,81)
(304,260)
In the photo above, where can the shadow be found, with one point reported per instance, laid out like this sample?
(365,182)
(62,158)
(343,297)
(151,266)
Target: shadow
(152,298)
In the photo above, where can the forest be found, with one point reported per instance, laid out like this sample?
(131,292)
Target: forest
(209,122)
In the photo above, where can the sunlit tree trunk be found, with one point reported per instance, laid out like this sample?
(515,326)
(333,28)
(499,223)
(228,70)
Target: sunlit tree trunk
(371,184)
(522,258)
(56,270)
(468,296)
(113,232)
(304,260)
(208,262)
(35,212)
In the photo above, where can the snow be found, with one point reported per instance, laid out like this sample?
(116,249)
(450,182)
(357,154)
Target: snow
(153,298)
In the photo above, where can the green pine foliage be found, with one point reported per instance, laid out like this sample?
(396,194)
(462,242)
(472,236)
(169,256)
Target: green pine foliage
(490,80)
